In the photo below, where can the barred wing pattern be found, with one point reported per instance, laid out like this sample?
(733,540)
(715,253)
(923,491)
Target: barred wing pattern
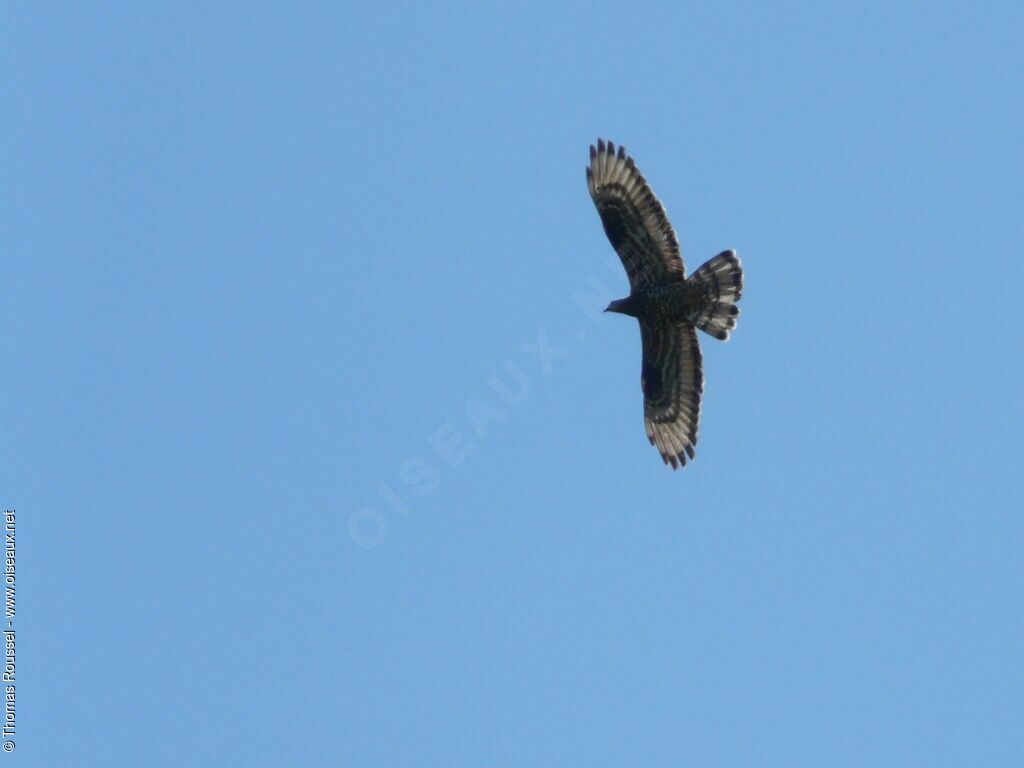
(672,381)
(633,218)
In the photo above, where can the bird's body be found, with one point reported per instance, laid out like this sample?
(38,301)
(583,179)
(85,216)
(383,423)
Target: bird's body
(673,303)
(668,305)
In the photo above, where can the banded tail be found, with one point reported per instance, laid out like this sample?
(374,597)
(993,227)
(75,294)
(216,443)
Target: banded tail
(721,283)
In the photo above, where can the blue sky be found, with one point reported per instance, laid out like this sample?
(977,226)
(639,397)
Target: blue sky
(294,486)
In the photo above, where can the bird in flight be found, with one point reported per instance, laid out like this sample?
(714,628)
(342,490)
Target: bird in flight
(668,305)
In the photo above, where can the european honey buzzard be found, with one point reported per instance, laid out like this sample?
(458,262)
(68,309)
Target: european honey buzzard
(668,305)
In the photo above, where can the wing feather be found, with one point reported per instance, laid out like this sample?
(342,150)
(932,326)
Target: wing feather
(672,380)
(634,219)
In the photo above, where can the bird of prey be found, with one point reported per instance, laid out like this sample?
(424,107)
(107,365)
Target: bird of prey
(668,305)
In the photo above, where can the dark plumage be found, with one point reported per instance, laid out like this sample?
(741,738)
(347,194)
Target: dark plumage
(668,305)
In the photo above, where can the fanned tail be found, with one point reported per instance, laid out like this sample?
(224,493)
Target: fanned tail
(721,283)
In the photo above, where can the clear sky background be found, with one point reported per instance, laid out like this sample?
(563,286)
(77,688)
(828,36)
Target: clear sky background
(295,488)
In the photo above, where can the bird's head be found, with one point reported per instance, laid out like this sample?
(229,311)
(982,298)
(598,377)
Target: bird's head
(623,306)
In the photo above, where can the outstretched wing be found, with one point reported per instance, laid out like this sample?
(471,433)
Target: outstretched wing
(633,218)
(672,380)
